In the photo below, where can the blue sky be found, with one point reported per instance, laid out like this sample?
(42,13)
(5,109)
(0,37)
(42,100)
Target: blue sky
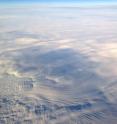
(60,1)
(8,1)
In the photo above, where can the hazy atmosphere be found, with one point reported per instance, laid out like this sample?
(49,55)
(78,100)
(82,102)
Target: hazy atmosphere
(58,62)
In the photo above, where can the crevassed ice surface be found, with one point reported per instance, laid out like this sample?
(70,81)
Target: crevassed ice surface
(58,65)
